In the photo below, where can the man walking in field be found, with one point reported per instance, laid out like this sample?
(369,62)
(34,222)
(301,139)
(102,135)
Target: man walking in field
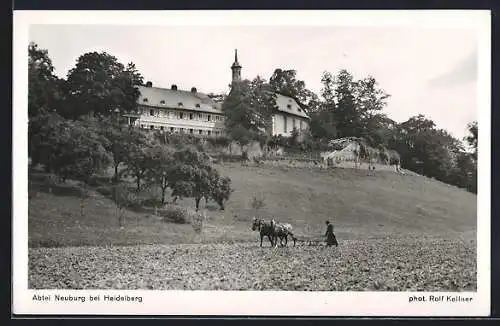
(330,236)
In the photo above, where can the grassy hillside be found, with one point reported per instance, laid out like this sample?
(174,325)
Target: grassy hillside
(360,203)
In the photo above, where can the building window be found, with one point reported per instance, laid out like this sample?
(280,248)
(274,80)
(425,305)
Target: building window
(300,124)
(197,105)
(293,123)
(161,127)
(200,131)
(181,115)
(182,130)
(190,116)
(179,104)
(199,116)
(190,131)
(289,106)
(145,99)
(208,117)
(162,102)
(151,112)
(284,124)
(217,132)
(142,126)
(151,127)
(171,129)
(208,132)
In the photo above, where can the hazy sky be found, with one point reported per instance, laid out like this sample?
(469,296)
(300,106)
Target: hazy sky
(428,70)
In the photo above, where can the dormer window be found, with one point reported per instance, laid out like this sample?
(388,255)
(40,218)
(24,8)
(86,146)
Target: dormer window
(162,102)
(151,112)
(145,99)
(179,104)
(197,105)
(289,106)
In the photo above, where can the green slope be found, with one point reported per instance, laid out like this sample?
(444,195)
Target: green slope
(360,203)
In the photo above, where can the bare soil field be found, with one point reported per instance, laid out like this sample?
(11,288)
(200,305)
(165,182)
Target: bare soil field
(369,265)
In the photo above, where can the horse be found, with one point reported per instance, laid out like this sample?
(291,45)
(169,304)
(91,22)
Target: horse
(265,228)
(282,231)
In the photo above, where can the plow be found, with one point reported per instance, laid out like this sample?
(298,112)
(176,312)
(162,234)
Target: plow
(308,240)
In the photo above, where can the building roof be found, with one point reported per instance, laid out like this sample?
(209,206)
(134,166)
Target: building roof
(289,105)
(169,98)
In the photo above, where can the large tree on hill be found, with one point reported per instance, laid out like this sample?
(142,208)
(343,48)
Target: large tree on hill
(350,107)
(99,84)
(427,149)
(285,82)
(248,109)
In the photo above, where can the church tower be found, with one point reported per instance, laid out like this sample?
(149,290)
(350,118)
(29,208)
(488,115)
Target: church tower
(236,68)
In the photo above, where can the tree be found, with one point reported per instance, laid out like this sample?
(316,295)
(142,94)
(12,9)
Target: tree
(426,149)
(123,198)
(323,124)
(162,160)
(191,175)
(471,138)
(138,159)
(84,154)
(285,82)
(48,136)
(42,83)
(99,84)
(248,109)
(220,189)
(350,108)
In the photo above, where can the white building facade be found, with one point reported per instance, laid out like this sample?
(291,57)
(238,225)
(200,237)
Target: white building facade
(192,112)
(178,111)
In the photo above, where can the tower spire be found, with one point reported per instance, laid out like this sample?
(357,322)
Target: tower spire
(236,68)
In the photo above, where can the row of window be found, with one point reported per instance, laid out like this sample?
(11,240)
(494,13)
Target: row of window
(191,131)
(145,100)
(185,116)
(294,125)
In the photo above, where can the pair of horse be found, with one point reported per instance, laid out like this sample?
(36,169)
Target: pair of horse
(273,231)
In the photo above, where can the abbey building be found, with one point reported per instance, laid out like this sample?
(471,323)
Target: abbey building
(193,112)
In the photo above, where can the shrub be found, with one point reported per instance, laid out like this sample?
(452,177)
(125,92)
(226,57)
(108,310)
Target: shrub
(196,219)
(175,214)
(106,191)
(152,202)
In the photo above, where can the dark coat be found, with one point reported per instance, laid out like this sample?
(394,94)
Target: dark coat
(330,236)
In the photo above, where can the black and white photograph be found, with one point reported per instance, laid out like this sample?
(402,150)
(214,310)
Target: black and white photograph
(290,157)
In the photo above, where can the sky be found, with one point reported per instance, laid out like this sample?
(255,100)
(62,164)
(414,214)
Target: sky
(427,70)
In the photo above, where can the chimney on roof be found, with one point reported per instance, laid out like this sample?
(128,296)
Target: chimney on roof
(173,87)
(193,89)
(149,84)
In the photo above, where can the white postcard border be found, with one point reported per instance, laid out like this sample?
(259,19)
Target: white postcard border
(250,302)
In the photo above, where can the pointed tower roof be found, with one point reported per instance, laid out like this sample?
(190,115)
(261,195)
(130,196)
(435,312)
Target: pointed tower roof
(236,64)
